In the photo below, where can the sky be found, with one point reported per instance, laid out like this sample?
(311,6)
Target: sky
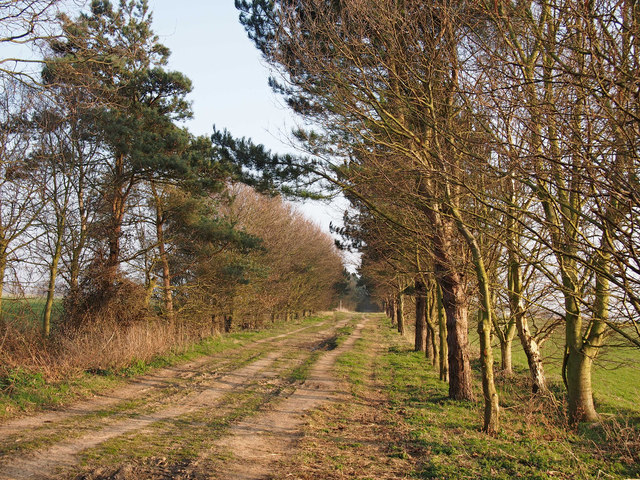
(211,47)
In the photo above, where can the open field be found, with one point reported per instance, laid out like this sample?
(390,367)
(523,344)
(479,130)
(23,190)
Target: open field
(616,371)
(29,311)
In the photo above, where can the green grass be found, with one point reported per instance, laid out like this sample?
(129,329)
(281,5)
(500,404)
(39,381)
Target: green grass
(22,390)
(354,365)
(615,374)
(28,311)
(534,442)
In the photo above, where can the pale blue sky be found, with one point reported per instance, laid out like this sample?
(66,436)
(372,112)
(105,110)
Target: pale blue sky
(209,45)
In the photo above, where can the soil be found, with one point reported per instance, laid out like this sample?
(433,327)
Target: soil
(256,444)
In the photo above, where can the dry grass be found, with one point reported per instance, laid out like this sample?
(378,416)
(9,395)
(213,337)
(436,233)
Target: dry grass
(357,440)
(106,326)
(95,346)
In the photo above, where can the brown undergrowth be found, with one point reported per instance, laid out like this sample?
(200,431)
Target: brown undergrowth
(96,347)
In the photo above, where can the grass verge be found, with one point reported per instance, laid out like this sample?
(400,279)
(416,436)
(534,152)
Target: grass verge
(534,442)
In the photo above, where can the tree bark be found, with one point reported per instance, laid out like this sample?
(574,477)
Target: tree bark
(392,310)
(164,257)
(534,358)
(3,269)
(74,267)
(429,352)
(579,361)
(490,394)
(431,321)
(506,362)
(53,274)
(421,327)
(455,304)
(454,301)
(400,313)
(114,236)
(517,312)
(118,208)
(442,326)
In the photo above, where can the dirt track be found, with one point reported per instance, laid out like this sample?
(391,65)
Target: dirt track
(97,438)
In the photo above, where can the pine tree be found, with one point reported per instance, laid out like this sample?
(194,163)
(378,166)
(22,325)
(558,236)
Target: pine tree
(133,103)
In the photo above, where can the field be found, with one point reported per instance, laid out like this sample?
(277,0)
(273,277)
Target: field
(615,377)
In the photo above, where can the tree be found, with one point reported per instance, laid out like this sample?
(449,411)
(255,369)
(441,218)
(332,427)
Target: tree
(19,208)
(564,137)
(24,23)
(114,57)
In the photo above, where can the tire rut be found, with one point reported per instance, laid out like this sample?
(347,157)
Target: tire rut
(159,379)
(255,444)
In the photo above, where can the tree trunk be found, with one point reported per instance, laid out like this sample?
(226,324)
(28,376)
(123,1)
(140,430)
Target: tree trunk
(534,358)
(454,301)
(400,313)
(114,236)
(164,257)
(517,308)
(421,327)
(166,278)
(579,393)
(392,309)
(505,338)
(3,269)
(490,394)
(491,403)
(76,254)
(577,367)
(579,361)
(429,352)
(506,357)
(120,193)
(442,326)
(431,316)
(53,274)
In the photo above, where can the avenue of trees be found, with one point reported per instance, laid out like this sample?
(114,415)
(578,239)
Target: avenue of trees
(116,213)
(490,153)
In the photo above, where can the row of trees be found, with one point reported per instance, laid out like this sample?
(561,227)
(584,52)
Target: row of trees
(490,152)
(106,198)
